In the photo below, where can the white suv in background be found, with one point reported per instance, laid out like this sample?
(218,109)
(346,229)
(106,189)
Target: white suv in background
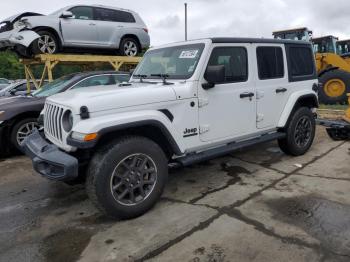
(72,27)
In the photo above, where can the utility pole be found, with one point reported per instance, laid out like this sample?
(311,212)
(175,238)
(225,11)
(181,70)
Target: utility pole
(185,21)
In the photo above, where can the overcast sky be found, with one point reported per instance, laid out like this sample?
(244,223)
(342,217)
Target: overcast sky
(243,18)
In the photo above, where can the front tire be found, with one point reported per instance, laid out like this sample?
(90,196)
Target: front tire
(46,44)
(126,178)
(300,133)
(21,130)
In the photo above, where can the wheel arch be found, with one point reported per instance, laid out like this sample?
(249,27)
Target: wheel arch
(151,129)
(51,30)
(309,100)
(22,116)
(131,36)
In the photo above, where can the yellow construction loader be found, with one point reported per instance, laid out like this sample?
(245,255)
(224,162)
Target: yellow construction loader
(332,61)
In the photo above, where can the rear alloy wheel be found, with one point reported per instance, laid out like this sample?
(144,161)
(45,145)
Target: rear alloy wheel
(45,44)
(129,47)
(21,130)
(300,132)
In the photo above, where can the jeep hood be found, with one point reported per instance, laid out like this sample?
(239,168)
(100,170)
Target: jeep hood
(104,98)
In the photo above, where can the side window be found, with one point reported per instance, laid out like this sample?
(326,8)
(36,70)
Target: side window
(121,78)
(270,62)
(301,61)
(82,12)
(235,60)
(22,87)
(110,15)
(96,81)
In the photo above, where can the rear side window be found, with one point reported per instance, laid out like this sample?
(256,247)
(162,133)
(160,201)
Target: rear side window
(270,62)
(110,15)
(234,59)
(301,60)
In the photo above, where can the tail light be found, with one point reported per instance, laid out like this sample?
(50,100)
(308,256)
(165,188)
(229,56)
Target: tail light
(146,30)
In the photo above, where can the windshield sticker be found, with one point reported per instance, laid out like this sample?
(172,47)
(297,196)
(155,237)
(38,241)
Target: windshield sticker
(188,54)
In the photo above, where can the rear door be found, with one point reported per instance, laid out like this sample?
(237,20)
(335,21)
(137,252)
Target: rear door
(271,83)
(81,28)
(110,25)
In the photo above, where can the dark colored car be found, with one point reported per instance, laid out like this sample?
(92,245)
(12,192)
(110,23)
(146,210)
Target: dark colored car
(19,114)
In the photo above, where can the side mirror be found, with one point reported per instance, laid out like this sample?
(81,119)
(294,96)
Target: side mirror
(214,75)
(67,14)
(13,92)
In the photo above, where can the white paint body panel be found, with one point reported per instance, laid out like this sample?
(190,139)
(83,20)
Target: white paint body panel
(219,114)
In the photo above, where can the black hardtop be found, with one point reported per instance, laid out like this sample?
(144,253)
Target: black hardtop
(223,40)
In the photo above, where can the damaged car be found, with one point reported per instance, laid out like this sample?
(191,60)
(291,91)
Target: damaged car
(75,28)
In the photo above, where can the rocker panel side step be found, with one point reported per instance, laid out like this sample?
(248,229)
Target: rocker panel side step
(224,150)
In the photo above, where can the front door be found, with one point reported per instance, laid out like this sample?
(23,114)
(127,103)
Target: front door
(271,84)
(228,110)
(81,28)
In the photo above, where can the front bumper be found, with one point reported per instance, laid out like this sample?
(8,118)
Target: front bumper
(48,160)
(17,38)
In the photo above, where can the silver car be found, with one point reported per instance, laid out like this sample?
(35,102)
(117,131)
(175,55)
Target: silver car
(4,83)
(75,27)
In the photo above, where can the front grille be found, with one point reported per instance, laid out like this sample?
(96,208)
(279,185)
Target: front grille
(53,121)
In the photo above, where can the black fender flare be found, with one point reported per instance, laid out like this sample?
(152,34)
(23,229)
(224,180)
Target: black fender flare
(154,123)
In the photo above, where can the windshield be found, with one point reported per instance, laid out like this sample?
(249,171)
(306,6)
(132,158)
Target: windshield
(54,87)
(178,62)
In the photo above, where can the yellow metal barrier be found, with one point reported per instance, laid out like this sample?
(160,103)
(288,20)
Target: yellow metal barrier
(347,112)
(50,61)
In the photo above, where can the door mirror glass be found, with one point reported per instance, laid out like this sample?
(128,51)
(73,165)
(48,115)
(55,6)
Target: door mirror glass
(67,14)
(214,75)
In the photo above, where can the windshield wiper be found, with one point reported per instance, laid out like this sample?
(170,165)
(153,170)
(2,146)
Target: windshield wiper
(163,77)
(141,77)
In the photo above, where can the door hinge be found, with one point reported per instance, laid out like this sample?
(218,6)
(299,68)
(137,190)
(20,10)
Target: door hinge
(203,129)
(203,102)
(259,117)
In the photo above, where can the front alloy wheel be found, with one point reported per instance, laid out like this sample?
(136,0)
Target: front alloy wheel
(25,130)
(47,45)
(126,177)
(133,179)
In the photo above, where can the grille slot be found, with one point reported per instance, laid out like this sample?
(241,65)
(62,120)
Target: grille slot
(53,121)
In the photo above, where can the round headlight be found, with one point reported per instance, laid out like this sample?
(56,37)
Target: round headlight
(67,121)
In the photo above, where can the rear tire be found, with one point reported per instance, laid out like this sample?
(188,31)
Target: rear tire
(300,133)
(46,44)
(129,47)
(335,85)
(126,178)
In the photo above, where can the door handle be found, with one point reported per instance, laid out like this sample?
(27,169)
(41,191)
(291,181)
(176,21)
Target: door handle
(245,95)
(92,24)
(281,90)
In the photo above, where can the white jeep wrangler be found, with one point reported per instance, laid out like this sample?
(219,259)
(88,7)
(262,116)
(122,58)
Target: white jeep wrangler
(186,102)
